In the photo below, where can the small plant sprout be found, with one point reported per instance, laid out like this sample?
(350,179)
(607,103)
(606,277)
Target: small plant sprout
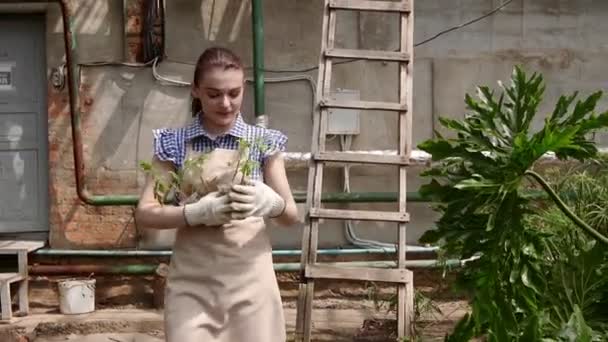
(164,188)
(185,183)
(245,165)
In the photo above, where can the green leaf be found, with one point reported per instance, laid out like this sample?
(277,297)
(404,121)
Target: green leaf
(146,166)
(525,279)
(576,330)
(439,149)
(532,331)
(475,183)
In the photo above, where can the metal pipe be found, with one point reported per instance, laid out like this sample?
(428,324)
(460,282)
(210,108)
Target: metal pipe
(149,269)
(71,55)
(168,253)
(257,20)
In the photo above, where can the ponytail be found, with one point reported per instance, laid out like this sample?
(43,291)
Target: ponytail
(196,106)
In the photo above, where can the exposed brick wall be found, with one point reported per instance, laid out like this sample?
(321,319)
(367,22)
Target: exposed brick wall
(134,22)
(73,224)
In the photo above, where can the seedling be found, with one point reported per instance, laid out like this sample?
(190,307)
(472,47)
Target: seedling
(165,188)
(172,187)
(245,165)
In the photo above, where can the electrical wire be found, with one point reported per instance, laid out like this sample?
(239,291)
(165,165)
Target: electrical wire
(425,41)
(351,236)
(132,65)
(464,24)
(310,81)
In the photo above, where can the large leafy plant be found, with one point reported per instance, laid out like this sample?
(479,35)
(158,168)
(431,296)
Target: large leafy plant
(479,179)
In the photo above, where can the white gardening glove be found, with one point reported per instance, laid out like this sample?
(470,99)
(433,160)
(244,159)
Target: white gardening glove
(212,209)
(255,199)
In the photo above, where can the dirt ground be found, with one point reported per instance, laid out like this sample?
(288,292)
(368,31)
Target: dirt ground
(137,325)
(125,312)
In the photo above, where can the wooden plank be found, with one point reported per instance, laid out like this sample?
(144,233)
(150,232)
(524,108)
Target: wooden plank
(24,302)
(361,158)
(22,262)
(362,5)
(310,289)
(391,275)
(14,246)
(409,309)
(309,234)
(359,215)
(374,55)
(369,105)
(24,306)
(10,277)
(5,299)
(405,292)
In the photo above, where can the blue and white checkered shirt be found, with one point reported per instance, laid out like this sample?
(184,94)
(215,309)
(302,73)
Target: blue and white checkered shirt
(170,143)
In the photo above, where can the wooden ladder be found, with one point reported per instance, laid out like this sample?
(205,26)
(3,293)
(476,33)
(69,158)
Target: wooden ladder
(312,270)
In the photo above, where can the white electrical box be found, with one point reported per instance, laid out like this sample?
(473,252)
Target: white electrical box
(343,121)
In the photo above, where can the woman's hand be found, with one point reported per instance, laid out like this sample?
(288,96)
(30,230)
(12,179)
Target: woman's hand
(271,198)
(212,209)
(255,198)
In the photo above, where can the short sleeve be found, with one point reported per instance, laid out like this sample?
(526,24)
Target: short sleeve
(274,142)
(165,145)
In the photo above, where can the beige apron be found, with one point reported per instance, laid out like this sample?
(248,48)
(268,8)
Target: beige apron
(221,285)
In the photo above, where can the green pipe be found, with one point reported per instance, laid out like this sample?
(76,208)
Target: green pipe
(168,253)
(257,20)
(149,269)
(331,197)
(299,197)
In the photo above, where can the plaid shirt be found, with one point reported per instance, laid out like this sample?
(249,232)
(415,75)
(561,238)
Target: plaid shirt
(170,143)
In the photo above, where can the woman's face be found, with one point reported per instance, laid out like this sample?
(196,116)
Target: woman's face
(221,94)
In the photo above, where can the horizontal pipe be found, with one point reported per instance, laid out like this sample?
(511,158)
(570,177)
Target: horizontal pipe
(167,253)
(299,197)
(150,269)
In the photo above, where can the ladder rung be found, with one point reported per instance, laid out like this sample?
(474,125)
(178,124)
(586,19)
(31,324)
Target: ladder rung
(359,215)
(361,158)
(366,5)
(371,105)
(390,56)
(393,275)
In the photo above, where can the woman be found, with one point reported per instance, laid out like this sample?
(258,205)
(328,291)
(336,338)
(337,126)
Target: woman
(221,285)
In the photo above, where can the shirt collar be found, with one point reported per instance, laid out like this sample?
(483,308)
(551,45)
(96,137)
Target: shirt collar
(196,129)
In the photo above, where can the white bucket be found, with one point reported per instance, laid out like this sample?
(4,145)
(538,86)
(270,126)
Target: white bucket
(76,296)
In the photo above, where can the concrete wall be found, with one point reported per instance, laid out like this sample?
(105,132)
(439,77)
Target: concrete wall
(561,39)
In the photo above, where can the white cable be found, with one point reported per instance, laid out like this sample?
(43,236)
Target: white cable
(351,236)
(158,77)
(292,78)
